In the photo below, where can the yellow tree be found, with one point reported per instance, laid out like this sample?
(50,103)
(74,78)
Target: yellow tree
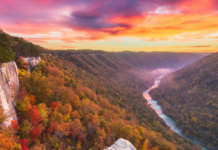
(145,145)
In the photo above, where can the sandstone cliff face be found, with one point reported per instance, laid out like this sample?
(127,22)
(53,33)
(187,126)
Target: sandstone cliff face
(33,61)
(9,86)
(121,144)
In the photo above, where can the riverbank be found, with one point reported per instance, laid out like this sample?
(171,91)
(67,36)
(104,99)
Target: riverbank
(158,109)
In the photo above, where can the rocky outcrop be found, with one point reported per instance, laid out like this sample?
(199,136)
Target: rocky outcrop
(9,86)
(121,144)
(33,61)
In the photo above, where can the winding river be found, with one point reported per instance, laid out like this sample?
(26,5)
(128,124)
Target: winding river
(154,104)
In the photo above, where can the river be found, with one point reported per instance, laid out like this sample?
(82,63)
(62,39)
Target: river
(154,104)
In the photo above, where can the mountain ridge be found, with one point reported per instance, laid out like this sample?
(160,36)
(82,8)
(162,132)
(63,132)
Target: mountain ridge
(87,100)
(194,88)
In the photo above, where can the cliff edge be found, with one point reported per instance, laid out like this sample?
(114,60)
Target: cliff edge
(9,86)
(33,61)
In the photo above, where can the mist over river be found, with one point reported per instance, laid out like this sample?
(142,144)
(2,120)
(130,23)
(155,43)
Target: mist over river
(158,109)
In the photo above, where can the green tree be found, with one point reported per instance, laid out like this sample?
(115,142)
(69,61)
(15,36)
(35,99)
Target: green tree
(6,53)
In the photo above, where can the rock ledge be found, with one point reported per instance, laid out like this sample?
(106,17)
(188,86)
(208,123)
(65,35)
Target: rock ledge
(121,144)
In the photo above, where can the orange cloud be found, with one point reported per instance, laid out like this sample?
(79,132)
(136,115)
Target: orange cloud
(72,21)
(200,49)
(200,46)
(154,39)
(197,6)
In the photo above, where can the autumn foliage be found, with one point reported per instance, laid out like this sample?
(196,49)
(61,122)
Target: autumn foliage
(36,131)
(59,108)
(21,63)
(35,116)
(54,106)
(15,125)
(192,95)
(23,143)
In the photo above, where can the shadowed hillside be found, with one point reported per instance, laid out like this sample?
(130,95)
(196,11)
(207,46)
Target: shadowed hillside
(190,97)
(127,60)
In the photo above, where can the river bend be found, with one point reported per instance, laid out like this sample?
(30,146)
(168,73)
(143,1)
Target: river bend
(154,104)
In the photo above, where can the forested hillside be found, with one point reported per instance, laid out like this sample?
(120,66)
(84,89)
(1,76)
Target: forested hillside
(56,110)
(190,97)
(87,100)
(132,59)
(14,47)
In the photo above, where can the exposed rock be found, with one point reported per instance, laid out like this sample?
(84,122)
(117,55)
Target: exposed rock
(9,86)
(121,144)
(33,61)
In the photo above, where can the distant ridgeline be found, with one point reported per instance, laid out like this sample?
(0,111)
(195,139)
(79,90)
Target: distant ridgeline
(128,59)
(14,47)
(190,97)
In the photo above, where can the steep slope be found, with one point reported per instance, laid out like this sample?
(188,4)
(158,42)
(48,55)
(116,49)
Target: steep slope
(112,72)
(10,49)
(158,59)
(14,47)
(131,59)
(116,83)
(58,90)
(9,85)
(86,100)
(190,97)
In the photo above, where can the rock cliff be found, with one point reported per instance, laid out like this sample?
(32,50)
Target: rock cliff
(121,144)
(33,61)
(9,86)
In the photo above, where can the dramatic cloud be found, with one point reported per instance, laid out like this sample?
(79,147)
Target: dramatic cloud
(70,21)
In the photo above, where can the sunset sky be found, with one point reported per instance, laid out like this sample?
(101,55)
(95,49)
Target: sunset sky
(114,25)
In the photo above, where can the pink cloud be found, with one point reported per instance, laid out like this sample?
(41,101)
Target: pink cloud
(97,18)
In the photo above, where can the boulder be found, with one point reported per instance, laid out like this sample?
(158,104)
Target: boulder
(121,144)
(33,61)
